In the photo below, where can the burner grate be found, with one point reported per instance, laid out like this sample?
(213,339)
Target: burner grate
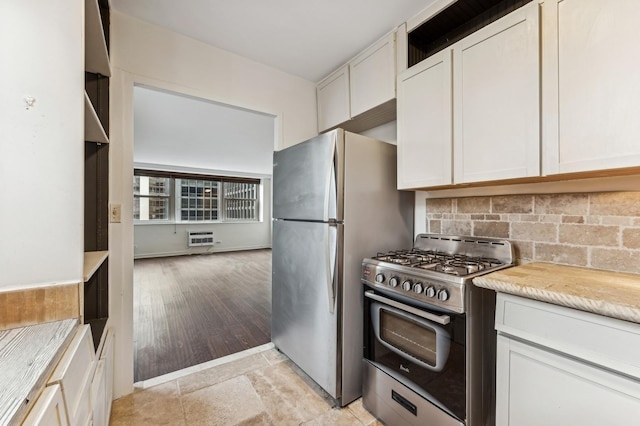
(457,264)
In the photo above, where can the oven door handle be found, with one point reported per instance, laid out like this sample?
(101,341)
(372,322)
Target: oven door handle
(440,319)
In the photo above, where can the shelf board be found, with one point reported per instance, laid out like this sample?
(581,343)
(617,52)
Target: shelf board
(96,56)
(93,130)
(92,261)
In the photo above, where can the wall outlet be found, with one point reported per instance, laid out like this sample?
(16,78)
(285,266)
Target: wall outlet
(115,213)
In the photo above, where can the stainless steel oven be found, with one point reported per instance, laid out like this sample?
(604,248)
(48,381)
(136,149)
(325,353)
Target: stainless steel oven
(429,344)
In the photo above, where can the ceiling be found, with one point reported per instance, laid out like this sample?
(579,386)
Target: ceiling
(307,38)
(187,133)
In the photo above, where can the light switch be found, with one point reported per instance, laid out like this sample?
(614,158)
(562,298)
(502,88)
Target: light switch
(115,213)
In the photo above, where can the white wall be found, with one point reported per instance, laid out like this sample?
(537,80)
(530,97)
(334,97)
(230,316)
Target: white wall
(149,55)
(387,132)
(41,146)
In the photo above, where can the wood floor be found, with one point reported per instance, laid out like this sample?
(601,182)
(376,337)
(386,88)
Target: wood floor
(192,309)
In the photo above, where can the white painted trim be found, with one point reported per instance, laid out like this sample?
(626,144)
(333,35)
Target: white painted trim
(173,168)
(601,184)
(121,191)
(145,384)
(202,252)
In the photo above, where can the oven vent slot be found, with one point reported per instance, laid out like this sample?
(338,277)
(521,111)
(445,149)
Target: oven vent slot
(199,238)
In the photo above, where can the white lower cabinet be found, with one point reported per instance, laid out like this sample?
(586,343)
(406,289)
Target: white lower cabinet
(98,395)
(74,374)
(48,410)
(560,366)
(102,384)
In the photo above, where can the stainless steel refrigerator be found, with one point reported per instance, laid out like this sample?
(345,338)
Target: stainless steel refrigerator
(334,203)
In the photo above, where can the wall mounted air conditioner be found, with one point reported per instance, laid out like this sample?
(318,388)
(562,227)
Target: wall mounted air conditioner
(199,238)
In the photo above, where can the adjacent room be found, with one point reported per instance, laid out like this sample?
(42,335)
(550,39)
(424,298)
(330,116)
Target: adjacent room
(202,231)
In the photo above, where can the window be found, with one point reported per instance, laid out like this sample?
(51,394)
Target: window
(151,198)
(240,201)
(197,198)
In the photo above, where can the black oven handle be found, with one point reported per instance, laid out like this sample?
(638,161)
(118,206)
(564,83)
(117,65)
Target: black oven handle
(440,319)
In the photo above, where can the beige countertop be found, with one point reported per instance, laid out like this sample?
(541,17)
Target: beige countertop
(607,293)
(27,358)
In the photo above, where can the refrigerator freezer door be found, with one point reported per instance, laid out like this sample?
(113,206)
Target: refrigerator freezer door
(304,180)
(304,323)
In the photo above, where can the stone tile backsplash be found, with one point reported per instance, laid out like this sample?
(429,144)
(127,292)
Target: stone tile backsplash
(597,230)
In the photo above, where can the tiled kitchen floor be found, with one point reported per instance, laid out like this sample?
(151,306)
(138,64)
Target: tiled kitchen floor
(256,387)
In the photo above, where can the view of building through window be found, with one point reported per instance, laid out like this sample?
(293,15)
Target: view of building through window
(151,198)
(195,200)
(198,199)
(240,201)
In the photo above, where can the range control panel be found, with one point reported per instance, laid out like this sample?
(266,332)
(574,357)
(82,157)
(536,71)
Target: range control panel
(425,289)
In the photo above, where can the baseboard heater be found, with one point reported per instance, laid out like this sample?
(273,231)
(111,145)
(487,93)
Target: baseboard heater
(200,238)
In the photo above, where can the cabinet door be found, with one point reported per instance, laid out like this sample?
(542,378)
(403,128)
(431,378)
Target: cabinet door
(98,395)
(591,85)
(497,100)
(333,99)
(372,76)
(536,387)
(74,373)
(424,123)
(48,409)
(107,356)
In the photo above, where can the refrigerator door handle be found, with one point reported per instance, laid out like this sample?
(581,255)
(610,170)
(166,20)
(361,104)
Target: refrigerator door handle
(332,254)
(331,190)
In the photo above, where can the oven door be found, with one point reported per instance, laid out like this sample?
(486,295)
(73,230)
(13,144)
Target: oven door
(422,349)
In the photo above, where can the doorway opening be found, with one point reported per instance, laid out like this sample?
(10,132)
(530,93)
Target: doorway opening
(200,168)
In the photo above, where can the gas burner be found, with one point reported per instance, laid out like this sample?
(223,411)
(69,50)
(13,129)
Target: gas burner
(460,266)
(438,270)
(448,263)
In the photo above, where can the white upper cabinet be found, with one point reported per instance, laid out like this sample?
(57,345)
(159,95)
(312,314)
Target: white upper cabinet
(365,83)
(372,76)
(591,89)
(471,112)
(333,99)
(497,100)
(424,123)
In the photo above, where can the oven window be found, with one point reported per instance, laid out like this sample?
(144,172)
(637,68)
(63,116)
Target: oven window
(412,340)
(408,336)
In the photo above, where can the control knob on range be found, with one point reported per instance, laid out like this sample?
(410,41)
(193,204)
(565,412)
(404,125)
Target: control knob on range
(379,278)
(393,282)
(406,285)
(417,288)
(443,295)
(430,291)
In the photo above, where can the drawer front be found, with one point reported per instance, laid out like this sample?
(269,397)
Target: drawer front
(74,374)
(611,343)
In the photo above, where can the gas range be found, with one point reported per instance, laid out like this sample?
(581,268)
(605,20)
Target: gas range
(437,269)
